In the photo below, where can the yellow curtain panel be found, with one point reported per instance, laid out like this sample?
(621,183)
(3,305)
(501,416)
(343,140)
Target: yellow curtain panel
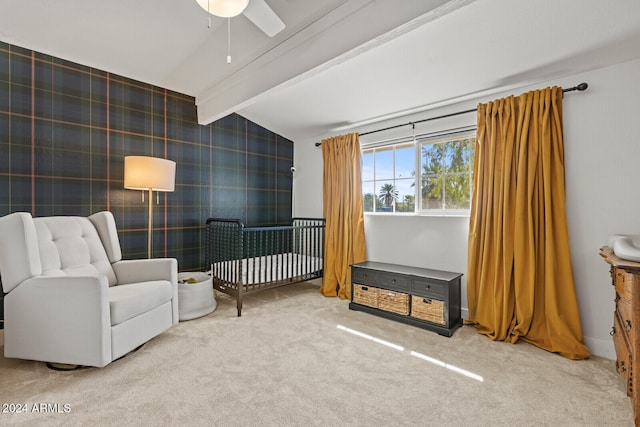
(520,279)
(342,196)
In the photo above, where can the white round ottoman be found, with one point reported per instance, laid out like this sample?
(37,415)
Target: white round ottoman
(195,299)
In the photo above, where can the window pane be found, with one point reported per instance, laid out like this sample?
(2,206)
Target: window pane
(367,166)
(432,192)
(368,196)
(405,161)
(387,195)
(384,164)
(406,195)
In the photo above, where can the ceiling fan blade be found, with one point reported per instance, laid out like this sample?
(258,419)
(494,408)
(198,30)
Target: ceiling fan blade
(259,12)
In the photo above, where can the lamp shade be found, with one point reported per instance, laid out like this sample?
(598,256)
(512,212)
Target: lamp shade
(144,173)
(224,8)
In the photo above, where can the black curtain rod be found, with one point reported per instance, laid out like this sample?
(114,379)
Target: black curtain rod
(581,87)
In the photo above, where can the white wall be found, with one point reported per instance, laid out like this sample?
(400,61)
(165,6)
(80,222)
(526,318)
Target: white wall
(602,158)
(602,155)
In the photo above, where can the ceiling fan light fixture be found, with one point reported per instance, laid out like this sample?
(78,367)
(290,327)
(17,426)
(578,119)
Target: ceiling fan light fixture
(224,8)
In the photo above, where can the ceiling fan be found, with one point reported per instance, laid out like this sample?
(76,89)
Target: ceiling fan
(258,12)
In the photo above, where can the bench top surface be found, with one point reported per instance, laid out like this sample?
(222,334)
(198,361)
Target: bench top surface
(405,269)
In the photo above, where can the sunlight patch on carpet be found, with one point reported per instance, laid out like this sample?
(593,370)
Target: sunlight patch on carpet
(370,338)
(447,366)
(413,353)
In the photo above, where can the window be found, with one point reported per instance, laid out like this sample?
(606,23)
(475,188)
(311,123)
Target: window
(389,179)
(447,169)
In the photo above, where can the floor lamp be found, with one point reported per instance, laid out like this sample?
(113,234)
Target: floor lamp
(150,174)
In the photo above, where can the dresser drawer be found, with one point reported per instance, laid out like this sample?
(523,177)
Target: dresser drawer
(393,282)
(625,283)
(363,276)
(623,353)
(429,288)
(625,311)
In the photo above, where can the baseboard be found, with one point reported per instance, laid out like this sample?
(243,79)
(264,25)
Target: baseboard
(599,347)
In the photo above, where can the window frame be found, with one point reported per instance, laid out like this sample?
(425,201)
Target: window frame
(418,142)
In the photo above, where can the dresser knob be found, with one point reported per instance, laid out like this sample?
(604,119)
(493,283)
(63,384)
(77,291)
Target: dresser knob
(620,367)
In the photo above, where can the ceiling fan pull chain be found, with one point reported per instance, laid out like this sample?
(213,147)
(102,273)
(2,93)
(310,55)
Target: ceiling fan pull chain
(228,40)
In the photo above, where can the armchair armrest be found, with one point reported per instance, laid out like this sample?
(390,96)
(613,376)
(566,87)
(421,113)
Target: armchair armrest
(144,270)
(58,318)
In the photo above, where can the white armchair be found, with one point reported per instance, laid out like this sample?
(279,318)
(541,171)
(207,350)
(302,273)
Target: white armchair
(71,298)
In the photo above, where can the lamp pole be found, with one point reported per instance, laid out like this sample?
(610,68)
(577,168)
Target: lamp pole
(149,237)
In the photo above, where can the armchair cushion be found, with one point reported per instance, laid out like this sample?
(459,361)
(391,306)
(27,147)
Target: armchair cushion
(70,246)
(129,301)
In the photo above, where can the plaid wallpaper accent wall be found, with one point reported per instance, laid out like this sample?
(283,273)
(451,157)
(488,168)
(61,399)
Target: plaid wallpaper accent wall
(65,129)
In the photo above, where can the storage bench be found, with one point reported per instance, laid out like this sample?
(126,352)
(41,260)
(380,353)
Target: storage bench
(422,297)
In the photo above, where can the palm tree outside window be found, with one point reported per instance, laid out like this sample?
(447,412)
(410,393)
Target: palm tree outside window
(388,196)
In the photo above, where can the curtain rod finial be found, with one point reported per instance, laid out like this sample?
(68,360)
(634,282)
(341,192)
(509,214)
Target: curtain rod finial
(582,86)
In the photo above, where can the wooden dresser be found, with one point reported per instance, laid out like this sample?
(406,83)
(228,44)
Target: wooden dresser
(422,297)
(625,277)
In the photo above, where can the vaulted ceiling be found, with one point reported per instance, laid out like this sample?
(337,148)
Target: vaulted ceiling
(338,63)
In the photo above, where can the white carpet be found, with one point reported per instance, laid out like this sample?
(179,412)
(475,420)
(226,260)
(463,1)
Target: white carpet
(296,358)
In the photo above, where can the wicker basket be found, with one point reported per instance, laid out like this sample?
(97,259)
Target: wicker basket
(429,309)
(365,295)
(395,302)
